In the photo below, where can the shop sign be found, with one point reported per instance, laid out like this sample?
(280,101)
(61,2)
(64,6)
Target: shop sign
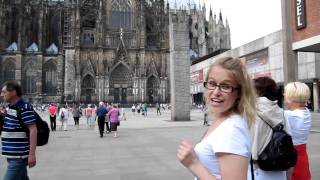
(256,63)
(197,77)
(301,21)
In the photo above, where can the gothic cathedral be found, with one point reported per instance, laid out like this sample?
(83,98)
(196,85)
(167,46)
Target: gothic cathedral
(98,50)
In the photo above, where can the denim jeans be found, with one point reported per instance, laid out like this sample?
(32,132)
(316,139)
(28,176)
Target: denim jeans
(17,169)
(89,120)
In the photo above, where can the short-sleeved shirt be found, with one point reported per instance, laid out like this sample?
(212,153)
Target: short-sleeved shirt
(88,111)
(299,125)
(52,110)
(231,136)
(14,139)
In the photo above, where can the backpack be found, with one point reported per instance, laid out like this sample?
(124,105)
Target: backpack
(62,114)
(42,128)
(279,154)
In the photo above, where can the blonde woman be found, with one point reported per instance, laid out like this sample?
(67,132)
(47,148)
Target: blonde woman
(224,151)
(296,96)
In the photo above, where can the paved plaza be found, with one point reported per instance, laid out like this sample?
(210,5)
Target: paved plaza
(145,150)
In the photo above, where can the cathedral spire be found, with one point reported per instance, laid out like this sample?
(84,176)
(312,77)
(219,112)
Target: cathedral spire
(204,6)
(210,11)
(220,16)
(227,24)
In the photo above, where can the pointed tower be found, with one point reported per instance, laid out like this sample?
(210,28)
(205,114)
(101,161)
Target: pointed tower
(228,38)
(211,32)
(220,18)
(204,13)
(202,42)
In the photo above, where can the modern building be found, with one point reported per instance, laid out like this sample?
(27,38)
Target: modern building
(98,50)
(262,57)
(305,26)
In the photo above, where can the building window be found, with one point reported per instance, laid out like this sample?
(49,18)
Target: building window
(30,74)
(121,14)
(50,78)
(9,71)
(87,37)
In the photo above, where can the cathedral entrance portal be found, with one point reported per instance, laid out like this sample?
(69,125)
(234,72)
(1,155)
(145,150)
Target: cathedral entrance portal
(124,96)
(120,95)
(87,89)
(116,97)
(120,81)
(152,89)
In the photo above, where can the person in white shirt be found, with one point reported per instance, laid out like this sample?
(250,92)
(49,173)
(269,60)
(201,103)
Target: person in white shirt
(133,109)
(224,151)
(296,96)
(64,115)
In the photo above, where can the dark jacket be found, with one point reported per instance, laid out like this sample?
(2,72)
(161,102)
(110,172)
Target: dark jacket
(101,111)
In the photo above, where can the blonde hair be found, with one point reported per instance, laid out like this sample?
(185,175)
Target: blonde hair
(246,104)
(297,92)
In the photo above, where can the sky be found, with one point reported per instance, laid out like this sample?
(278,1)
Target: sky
(248,19)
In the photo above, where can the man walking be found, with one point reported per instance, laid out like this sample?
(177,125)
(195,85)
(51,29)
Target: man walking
(101,113)
(107,121)
(53,116)
(18,145)
(158,109)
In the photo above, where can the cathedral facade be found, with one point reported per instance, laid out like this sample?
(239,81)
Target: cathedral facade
(97,50)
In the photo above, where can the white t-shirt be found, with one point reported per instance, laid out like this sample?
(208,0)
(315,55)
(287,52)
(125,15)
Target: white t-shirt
(65,113)
(231,136)
(299,124)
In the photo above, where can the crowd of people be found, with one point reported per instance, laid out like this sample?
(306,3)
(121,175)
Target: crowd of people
(243,115)
(105,115)
(91,113)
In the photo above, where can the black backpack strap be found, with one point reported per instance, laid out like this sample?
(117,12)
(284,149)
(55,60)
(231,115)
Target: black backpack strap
(251,167)
(2,116)
(264,121)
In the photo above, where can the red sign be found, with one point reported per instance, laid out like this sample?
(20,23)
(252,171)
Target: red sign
(197,77)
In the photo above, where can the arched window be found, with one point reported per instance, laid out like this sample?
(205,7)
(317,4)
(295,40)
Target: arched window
(121,14)
(30,78)
(50,78)
(9,71)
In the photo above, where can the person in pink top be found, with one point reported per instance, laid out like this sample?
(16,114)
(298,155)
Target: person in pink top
(53,116)
(113,115)
(88,113)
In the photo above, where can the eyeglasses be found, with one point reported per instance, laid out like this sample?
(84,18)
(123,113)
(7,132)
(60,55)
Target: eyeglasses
(222,87)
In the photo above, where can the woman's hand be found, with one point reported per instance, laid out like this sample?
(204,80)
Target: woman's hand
(189,159)
(186,154)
